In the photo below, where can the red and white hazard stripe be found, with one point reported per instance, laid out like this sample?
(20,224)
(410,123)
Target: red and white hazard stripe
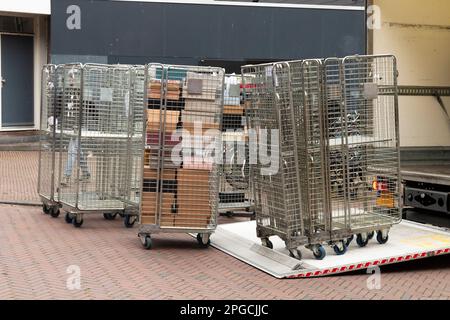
(365,265)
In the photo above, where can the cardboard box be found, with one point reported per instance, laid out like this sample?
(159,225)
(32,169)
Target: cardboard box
(194,222)
(203,106)
(197,163)
(173,90)
(201,117)
(164,186)
(200,124)
(156,138)
(166,174)
(172,118)
(188,178)
(166,220)
(235,110)
(151,159)
(148,208)
(201,86)
(193,198)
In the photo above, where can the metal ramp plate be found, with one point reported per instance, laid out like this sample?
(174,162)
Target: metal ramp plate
(407,241)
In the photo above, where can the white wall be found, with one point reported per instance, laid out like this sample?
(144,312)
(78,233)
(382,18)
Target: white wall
(26,6)
(418,33)
(40,58)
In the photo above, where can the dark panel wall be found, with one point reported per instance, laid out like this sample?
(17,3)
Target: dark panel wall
(139,32)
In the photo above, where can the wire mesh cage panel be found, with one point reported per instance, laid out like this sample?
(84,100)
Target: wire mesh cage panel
(343,175)
(234,182)
(46,176)
(183,151)
(97,130)
(372,143)
(275,174)
(311,148)
(136,134)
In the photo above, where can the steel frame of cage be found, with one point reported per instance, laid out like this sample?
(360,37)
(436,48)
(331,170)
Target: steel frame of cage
(46,178)
(276,194)
(180,195)
(369,147)
(114,189)
(311,89)
(235,193)
(308,102)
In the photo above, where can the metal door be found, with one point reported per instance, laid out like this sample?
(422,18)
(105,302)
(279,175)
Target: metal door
(16,81)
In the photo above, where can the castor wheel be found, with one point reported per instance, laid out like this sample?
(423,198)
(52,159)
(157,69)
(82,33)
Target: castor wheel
(77,222)
(109,216)
(54,212)
(370,235)
(362,240)
(203,239)
(319,252)
(129,220)
(45,208)
(295,253)
(382,239)
(265,242)
(349,240)
(68,218)
(340,247)
(147,242)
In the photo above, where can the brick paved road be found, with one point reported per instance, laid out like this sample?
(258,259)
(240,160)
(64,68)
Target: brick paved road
(35,251)
(19,174)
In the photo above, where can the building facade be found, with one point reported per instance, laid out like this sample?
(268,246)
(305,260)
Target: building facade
(217,33)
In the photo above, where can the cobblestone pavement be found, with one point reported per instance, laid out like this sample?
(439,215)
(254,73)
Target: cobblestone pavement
(19,175)
(37,250)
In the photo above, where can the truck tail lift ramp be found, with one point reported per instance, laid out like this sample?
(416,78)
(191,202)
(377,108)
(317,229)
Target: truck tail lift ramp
(408,241)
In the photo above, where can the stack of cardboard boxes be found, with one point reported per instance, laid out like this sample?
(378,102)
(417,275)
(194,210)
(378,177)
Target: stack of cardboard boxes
(184,188)
(154,90)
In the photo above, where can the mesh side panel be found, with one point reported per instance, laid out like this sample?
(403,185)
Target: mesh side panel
(183,147)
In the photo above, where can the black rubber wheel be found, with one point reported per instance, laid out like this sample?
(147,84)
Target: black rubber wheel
(381,239)
(370,235)
(109,216)
(295,253)
(319,252)
(349,240)
(267,243)
(200,241)
(45,208)
(360,241)
(340,249)
(68,218)
(77,224)
(129,221)
(54,212)
(148,242)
